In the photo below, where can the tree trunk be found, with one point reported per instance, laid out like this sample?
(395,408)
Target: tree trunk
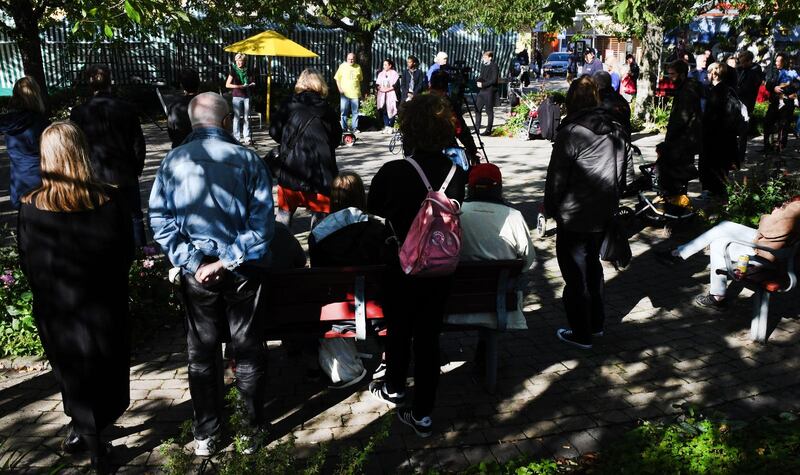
(26,35)
(652,44)
(364,40)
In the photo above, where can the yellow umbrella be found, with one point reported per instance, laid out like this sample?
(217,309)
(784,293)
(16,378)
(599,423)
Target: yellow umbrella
(270,43)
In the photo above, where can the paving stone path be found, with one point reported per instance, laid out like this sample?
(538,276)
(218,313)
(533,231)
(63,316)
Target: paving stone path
(658,353)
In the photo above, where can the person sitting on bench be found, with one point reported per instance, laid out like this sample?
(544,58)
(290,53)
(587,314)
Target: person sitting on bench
(490,231)
(776,230)
(348,237)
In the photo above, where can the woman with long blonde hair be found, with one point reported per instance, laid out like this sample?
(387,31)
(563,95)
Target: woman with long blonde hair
(75,241)
(22,125)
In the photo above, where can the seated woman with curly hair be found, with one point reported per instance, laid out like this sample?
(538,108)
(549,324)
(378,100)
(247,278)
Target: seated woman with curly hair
(413,306)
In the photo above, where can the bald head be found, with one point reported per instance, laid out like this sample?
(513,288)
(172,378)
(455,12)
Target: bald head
(208,110)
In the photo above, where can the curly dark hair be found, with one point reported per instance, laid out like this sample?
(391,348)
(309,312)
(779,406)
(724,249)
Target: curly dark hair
(427,123)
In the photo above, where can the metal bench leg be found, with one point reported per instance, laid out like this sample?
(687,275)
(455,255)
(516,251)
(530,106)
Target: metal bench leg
(758,325)
(490,338)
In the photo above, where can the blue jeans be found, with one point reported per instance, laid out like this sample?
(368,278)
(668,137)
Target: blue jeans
(241,113)
(348,105)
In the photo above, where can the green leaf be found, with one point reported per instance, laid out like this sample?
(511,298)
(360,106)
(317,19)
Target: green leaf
(108,31)
(130,10)
(75,27)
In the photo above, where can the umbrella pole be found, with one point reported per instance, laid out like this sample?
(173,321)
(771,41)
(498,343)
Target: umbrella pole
(269,88)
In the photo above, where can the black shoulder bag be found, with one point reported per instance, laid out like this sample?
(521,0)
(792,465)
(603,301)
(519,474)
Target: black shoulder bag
(615,247)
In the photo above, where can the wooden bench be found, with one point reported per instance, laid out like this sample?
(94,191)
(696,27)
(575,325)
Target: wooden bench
(764,280)
(308,301)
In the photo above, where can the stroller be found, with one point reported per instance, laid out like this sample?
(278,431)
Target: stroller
(651,207)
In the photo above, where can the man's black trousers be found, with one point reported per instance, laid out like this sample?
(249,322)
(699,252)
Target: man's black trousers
(578,255)
(213,314)
(486,98)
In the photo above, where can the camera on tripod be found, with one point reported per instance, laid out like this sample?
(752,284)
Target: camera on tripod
(458,73)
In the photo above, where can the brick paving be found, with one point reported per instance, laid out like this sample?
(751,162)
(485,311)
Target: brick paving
(659,352)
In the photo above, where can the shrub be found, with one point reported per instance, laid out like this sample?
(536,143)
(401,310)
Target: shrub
(368,107)
(18,334)
(757,195)
(516,123)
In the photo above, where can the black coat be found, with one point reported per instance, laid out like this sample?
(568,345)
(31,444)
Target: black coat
(617,107)
(747,85)
(489,77)
(178,124)
(581,191)
(420,83)
(357,244)
(549,114)
(77,265)
(685,127)
(720,145)
(311,164)
(116,141)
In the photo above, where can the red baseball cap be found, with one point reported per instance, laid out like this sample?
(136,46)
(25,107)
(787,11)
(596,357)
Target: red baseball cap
(485,174)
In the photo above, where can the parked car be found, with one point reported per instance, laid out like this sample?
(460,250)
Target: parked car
(556,65)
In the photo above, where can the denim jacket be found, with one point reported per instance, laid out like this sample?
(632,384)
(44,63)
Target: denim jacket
(212,198)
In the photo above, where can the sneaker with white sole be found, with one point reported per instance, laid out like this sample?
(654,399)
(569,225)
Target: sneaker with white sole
(423,427)
(205,447)
(379,391)
(567,336)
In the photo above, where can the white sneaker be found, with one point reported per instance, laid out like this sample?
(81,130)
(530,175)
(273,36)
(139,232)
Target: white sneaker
(205,447)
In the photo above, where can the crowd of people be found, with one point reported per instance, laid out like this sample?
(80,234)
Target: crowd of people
(211,211)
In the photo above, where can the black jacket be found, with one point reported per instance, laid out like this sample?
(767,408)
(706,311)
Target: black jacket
(684,128)
(350,243)
(397,191)
(720,147)
(489,77)
(311,164)
(617,107)
(420,83)
(178,124)
(115,137)
(549,118)
(747,85)
(581,191)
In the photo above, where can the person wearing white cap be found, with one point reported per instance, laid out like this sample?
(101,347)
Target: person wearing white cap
(439,61)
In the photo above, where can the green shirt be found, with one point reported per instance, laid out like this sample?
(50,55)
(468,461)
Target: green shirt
(349,80)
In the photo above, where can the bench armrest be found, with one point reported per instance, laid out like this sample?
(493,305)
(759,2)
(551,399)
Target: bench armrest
(787,255)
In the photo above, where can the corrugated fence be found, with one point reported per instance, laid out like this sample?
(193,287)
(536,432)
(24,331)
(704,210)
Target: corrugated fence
(157,58)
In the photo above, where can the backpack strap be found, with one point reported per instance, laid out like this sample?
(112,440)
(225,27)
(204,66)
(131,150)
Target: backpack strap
(420,172)
(449,177)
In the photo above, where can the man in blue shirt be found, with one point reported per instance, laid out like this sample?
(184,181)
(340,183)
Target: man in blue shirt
(211,211)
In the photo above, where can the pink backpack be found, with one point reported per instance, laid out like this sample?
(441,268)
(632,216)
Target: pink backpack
(433,242)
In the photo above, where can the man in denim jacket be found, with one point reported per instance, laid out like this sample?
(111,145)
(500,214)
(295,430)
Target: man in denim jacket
(211,211)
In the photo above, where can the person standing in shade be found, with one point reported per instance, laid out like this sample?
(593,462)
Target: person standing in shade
(780,108)
(178,124)
(582,191)
(396,194)
(305,124)
(487,83)
(76,247)
(211,212)
(240,80)
(720,147)
(413,82)
(387,83)
(348,79)
(116,143)
(22,126)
